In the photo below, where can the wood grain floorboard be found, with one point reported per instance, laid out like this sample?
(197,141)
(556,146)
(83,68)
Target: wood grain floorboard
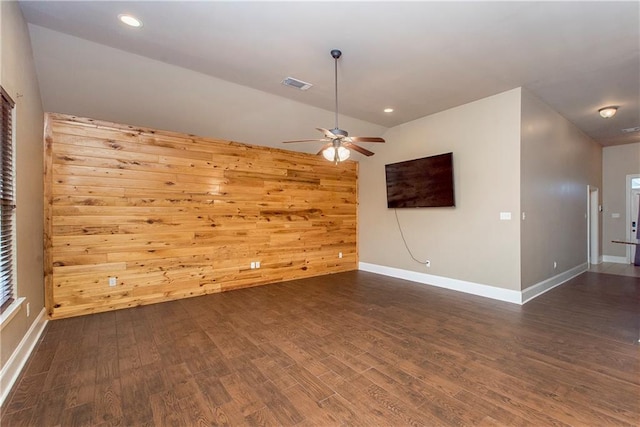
(349,349)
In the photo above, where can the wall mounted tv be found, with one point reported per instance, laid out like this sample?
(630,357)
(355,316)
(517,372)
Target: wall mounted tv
(421,183)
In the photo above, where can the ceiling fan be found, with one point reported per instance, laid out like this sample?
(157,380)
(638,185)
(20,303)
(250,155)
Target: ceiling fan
(337,141)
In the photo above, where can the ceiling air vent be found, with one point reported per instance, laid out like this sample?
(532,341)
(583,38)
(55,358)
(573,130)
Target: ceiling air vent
(298,84)
(631,130)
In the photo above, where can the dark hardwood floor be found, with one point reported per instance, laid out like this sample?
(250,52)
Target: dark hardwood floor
(353,349)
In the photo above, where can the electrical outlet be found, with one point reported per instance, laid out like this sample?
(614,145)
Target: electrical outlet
(427,263)
(257,264)
(339,254)
(113,281)
(253,265)
(555,265)
(28,309)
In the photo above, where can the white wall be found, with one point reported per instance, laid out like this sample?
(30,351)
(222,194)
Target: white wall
(132,89)
(618,162)
(18,77)
(468,242)
(558,162)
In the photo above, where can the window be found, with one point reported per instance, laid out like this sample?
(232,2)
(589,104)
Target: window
(7,202)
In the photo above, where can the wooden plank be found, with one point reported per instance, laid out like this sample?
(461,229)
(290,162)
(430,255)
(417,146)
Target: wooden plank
(102,172)
(71,151)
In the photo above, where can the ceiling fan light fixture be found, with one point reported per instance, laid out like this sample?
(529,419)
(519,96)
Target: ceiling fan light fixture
(608,112)
(329,153)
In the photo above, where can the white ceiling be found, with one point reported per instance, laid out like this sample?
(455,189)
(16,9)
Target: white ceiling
(417,57)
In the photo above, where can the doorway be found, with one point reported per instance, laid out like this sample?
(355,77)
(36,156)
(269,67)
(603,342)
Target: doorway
(633,204)
(593,225)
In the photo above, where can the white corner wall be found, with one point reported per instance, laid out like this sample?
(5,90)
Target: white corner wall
(468,246)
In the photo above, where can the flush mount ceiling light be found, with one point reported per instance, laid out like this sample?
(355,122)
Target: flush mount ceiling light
(608,112)
(388,110)
(130,20)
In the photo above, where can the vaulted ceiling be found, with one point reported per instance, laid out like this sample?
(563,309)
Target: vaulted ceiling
(418,58)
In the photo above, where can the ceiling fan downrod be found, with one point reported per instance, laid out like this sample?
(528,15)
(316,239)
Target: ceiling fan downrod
(336,54)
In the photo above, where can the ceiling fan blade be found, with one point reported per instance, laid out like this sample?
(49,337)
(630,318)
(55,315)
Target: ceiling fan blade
(324,147)
(358,149)
(305,140)
(327,133)
(366,139)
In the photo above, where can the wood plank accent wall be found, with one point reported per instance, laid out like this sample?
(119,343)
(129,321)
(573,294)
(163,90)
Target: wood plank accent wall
(173,215)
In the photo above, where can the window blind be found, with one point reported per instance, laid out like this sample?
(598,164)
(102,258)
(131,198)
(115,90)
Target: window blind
(7,202)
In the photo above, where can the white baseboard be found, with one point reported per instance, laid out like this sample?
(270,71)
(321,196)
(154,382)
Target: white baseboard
(445,282)
(11,370)
(507,295)
(598,261)
(546,285)
(615,259)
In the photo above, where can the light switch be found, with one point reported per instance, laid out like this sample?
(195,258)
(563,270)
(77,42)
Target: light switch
(505,216)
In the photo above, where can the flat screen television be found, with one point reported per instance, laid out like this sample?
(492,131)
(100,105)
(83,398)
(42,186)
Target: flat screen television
(421,183)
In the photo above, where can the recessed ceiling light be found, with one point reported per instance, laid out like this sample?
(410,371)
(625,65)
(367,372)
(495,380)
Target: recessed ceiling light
(608,112)
(130,20)
(388,110)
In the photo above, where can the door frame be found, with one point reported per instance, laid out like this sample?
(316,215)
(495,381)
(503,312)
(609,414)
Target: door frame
(630,217)
(593,225)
